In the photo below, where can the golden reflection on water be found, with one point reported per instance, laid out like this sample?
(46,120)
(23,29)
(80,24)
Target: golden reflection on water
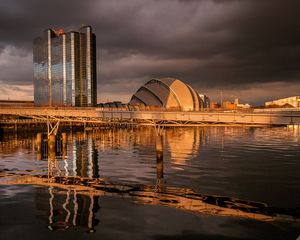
(183,144)
(88,189)
(74,183)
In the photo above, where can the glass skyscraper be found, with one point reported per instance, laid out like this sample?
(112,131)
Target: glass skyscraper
(64,66)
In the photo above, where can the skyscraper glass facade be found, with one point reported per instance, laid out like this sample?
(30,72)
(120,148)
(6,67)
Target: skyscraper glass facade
(64,66)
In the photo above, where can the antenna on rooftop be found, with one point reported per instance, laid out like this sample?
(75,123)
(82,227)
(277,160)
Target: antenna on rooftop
(221,97)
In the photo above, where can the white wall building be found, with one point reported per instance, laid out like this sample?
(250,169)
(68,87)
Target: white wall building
(293,101)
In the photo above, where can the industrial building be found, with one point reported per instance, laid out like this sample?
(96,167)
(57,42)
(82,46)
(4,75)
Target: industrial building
(285,102)
(169,94)
(64,67)
(235,105)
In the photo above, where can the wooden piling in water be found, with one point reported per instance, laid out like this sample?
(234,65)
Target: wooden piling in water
(64,144)
(51,146)
(159,158)
(39,140)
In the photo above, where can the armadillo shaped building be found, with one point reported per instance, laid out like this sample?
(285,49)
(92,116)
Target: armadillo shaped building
(169,94)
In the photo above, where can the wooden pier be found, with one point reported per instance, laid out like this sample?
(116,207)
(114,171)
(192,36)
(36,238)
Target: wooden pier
(103,116)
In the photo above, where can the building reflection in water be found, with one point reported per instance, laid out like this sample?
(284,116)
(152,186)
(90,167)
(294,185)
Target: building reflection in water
(184,143)
(70,209)
(67,208)
(83,154)
(70,205)
(85,158)
(74,185)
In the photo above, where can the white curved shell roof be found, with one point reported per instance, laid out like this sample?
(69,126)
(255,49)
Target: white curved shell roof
(169,93)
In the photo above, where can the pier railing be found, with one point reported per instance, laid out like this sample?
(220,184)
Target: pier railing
(98,115)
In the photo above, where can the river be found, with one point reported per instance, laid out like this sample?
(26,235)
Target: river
(114,184)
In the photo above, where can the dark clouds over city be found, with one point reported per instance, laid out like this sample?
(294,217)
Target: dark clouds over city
(246,49)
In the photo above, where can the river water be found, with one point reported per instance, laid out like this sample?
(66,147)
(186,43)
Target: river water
(237,164)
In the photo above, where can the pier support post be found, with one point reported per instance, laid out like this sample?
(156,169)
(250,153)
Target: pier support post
(51,146)
(52,161)
(159,157)
(159,160)
(64,145)
(16,129)
(52,129)
(1,131)
(39,140)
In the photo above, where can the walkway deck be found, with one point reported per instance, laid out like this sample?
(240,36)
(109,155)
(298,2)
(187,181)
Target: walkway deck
(96,115)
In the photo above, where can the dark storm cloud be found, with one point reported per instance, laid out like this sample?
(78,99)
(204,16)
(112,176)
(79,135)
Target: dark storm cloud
(22,20)
(209,44)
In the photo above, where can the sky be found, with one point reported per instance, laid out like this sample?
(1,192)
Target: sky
(246,49)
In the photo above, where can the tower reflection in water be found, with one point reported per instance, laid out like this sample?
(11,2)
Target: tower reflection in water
(66,207)
(69,209)
(85,157)
(75,187)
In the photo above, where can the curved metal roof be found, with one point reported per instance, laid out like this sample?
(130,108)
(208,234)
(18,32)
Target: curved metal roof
(169,93)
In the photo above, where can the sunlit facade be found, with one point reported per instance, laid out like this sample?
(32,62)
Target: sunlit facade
(169,94)
(64,66)
(289,102)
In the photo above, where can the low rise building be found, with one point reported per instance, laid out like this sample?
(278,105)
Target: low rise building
(16,103)
(284,102)
(205,101)
(243,105)
(214,105)
(229,105)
